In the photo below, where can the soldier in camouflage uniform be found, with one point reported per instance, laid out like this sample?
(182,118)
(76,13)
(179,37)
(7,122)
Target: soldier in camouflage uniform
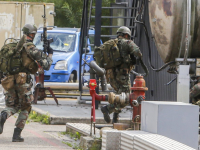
(119,77)
(19,97)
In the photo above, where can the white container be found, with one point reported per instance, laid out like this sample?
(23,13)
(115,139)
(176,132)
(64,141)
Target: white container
(176,120)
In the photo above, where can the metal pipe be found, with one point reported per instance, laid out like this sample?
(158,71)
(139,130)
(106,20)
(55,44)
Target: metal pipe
(104,83)
(100,97)
(68,86)
(117,7)
(187,39)
(74,94)
(92,74)
(99,71)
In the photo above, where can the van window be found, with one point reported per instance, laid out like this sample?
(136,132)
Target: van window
(91,38)
(61,41)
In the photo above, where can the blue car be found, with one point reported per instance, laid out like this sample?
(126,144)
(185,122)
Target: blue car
(65,66)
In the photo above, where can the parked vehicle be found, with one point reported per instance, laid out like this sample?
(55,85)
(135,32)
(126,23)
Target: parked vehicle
(65,66)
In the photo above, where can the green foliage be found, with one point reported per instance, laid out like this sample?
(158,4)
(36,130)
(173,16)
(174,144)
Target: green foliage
(95,145)
(73,135)
(39,118)
(78,135)
(75,146)
(104,21)
(69,12)
(73,12)
(63,133)
(67,143)
(33,116)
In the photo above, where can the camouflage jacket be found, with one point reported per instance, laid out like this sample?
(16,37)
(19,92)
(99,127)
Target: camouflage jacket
(42,59)
(128,50)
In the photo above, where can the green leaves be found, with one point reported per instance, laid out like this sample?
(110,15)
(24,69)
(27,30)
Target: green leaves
(39,118)
(69,12)
(73,12)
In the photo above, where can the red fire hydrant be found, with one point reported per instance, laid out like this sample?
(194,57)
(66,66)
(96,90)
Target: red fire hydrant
(135,98)
(138,95)
(95,96)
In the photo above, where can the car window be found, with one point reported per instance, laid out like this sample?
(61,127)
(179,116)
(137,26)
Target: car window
(92,42)
(61,41)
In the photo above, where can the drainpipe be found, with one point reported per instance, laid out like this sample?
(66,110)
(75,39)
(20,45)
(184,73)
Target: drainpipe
(187,39)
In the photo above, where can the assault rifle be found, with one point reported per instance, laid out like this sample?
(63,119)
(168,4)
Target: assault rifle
(46,42)
(39,76)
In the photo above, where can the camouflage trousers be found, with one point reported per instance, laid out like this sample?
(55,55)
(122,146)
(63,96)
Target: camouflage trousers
(195,94)
(119,79)
(117,108)
(19,98)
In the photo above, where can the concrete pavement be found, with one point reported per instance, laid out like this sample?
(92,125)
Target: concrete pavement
(70,111)
(36,137)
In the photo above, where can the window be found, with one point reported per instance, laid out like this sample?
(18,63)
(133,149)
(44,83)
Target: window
(91,38)
(61,41)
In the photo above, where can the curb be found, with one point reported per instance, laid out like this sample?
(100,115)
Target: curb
(62,120)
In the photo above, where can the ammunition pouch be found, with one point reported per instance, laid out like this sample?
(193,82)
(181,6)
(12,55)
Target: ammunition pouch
(109,75)
(8,82)
(29,63)
(21,78)
(26,107)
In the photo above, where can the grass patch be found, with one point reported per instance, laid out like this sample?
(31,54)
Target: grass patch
(96,145)
(67,143)
(45,119)
(63,133)
(74,145)
(73,135)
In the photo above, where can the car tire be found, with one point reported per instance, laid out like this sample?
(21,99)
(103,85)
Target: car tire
(71,78)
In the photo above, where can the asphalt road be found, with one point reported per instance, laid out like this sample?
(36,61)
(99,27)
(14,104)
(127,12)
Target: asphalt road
(36,137)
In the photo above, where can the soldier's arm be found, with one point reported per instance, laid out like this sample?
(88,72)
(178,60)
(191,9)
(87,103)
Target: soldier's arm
(134,49)
(44,60)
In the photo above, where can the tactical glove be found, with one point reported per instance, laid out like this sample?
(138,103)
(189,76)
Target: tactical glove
(50,50)
(139,55)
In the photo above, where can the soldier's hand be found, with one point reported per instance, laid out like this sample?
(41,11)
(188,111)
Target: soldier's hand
(138,55)
(50,50)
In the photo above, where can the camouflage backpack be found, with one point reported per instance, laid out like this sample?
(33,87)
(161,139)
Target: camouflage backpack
(108,55)
(10,57)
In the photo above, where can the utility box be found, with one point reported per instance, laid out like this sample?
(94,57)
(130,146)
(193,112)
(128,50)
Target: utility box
(176,120)
(14,15)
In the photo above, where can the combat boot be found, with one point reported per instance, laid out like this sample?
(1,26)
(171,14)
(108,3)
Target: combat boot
(105,112)
(17,135)
(3,118)
(115,118)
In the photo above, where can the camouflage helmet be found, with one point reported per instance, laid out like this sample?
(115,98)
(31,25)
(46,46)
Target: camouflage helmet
(28,28)
(124,30)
